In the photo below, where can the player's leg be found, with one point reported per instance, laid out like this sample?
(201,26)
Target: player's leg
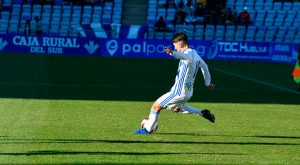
(153,116)
(157,106)
(205,113)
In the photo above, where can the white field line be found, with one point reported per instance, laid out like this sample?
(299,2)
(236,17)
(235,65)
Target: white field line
(257,81)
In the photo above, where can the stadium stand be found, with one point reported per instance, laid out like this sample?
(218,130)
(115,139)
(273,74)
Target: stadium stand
(58,18)
(270,21)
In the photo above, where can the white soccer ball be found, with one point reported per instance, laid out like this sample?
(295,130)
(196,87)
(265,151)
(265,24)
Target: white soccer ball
(154,127)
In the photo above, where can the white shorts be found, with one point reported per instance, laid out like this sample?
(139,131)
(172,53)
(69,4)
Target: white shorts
(171,100)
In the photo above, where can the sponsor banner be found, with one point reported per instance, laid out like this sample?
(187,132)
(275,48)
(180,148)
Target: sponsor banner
(150,48)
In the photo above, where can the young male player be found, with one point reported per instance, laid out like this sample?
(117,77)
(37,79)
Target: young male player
(182,89)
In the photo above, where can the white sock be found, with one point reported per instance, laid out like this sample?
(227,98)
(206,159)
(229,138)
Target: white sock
(153,116)
(192,109)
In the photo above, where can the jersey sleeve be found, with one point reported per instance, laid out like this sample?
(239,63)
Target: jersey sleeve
(205,72)
(182,56)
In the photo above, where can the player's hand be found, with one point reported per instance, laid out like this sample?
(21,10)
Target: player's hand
(168,50)
(211,86)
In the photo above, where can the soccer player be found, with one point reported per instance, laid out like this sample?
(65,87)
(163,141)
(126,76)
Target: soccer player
(182,89)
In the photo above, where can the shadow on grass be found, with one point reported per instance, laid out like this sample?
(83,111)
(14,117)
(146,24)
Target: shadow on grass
(250,136)
(67,141)
(58,152)
(103,78)
(122,163)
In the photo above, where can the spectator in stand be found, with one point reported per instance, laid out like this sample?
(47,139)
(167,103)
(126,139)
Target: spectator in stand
(180,16)
(200,13)
(223,17)
(229,17)
(189,7)
(199,10)
(38,25)
(161,25)
(244,18)
(169,4)
(179,4)
(27,29)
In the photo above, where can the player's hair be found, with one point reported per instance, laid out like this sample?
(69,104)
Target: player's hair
(180,37)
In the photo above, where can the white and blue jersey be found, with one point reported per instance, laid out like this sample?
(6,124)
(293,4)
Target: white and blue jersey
(182,90)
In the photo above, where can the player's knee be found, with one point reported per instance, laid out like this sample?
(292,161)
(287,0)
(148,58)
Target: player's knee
(156,107)
(175,109)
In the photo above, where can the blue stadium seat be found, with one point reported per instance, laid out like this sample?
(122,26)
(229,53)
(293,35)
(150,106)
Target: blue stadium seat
(280,34)
(64,28)
(252,14)
(289,36)
(36,11)
(277,6)
(161,12)
(26,12)
(249,36)
(268,5)
(18,2)
(97,13)
(179,28)
(291,14)
(220,30)
(199,31)
(150,32)
(86,15)
(258,5)
(13,26)
(209,32)
(75,19)
(287,6)
(168,35)
(239,36)
(7,2)
(3,26)
(297,36)
(152,10)
(229,34)
(260,17)
(279,18)
(16,11)
(296,21)
(107,12)
(260,34)
(239,5)
(117,12)
(171,12)
(159,35)
(296,6)
(270,34)
(230,3)
(250,4)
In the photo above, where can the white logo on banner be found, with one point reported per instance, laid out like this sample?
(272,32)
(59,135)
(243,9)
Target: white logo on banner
(2,44)
(112,47)
(91,47)
(213,50)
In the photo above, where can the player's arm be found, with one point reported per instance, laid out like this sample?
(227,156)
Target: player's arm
(176,54)
(206,74)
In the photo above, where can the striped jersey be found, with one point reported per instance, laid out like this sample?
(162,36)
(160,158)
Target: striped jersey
(189,64)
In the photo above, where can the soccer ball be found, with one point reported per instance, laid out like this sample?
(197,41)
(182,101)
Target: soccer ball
(154,127)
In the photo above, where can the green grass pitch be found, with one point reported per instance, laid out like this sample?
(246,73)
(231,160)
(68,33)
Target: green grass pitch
(84,110)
